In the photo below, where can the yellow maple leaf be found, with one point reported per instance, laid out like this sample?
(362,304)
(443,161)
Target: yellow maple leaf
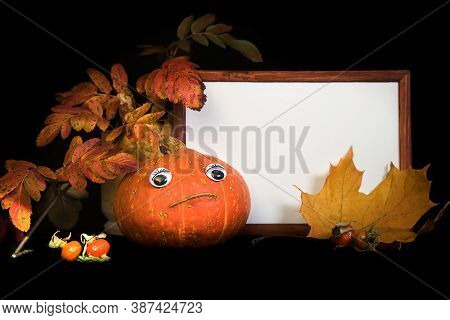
(392,208)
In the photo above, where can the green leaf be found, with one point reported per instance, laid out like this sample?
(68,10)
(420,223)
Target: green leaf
(216,40)
(184,27)
(228,39)
(200,39)
(201,23)
(219,28)
(185,45)
(248,49)
(148,50)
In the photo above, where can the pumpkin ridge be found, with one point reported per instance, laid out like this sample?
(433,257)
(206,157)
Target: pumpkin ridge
(225,216)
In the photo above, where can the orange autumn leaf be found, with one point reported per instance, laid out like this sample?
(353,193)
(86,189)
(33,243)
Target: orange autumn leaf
(22,181)
(100,80)
(177,81)
(392,208)
(94,161)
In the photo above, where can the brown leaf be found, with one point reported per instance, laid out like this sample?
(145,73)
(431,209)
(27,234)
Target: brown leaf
(95,105)
(76,177)
(121,163)
(90,122)
(47,172)
(11,165)
(147,142)
(102,123)
(57,118)
(76,141)
(172,144)
(47,134)
(34,184)
(111,136)
(151,117)
(137,113)
(111,107)
(66,128)
(430,224)
(100,80)
(11,180)
(77,122)
(119,77)
(216,40)
(200,39)
(140,83)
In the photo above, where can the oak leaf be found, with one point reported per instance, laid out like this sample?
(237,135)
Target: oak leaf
(392,208)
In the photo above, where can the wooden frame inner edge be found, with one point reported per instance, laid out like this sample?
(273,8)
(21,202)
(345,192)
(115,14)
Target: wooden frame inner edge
(402,77)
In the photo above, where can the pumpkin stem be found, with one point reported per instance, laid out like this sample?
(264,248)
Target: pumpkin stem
(194,196)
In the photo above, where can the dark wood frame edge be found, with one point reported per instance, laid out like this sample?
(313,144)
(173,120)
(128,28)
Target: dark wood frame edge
(403,78)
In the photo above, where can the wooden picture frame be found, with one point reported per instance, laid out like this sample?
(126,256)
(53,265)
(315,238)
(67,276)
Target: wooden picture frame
(402,77)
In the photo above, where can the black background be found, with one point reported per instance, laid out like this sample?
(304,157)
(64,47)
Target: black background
(308,36)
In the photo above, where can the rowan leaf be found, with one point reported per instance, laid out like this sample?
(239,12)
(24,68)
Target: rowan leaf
(392,208)
(216,40)
(90,122)
(83,148)
(100,80)
(184,45)
(119,77)
(102,123)
(55,118)
(140,83)
(20,210)
(149,50)
(11,165)
(48,134)
(95,105)
(200,38)
(33,185)
(121,163)
(184,27)
(47,172)
(172,144)
(219,28)
(247,49)
(11,180)
(76,141)
(113,134)
(137,113)
(66,128)
(201,23)
(147,142)
(111,108)
(76,177)
(150,117)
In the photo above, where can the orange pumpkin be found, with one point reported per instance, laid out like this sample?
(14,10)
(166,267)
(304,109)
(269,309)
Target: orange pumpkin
(184,199)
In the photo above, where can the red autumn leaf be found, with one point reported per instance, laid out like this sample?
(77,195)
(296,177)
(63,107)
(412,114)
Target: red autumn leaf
(121,163)
(66,128)
(76,141)
(140,83)
(119,77)
(90,122)
(81,88)
(102,124)
(137,113)
(100,80)
(19,165)
(34,184)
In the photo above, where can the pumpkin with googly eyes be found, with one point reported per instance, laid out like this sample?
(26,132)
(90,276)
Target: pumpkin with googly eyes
(183,199)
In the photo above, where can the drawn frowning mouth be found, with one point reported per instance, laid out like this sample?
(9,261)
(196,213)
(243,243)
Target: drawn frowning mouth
(194,196)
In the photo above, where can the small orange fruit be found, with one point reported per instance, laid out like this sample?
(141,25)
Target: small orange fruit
(98,248)
(71,251)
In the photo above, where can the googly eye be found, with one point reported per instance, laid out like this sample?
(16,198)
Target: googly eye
(215,172)
(160,177)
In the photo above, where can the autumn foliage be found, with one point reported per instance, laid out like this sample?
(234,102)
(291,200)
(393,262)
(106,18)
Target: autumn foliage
(23,181)
(177,81)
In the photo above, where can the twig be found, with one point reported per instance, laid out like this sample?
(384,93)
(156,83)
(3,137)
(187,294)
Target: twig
(18,252)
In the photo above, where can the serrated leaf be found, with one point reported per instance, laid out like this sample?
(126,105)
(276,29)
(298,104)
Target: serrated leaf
(83,148)
(18,165)
(102,123)
(184,27)
(76,177)
(100,80)
(47,135)
(219,28)
(76,141)
(95,105)
(77,122)
(151,117)
(34,185)
(121,163)
(216,40)
(200,39)
(66,128)
(90,122)
(10,181)
(119,77)
(201,23)
(56,118)
(140,83)
(111,108)
(172,144)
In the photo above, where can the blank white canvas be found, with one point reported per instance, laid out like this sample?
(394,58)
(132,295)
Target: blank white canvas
(339,115)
